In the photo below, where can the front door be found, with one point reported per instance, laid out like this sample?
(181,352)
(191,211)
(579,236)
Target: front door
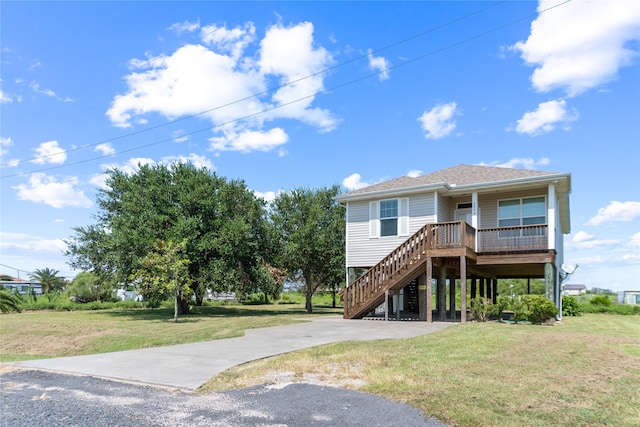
(464,215)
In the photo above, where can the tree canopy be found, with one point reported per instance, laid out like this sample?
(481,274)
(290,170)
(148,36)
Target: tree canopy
(310,231)
(49,278)
(222,224)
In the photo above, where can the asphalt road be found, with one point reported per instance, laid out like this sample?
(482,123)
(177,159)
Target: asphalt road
(33,398)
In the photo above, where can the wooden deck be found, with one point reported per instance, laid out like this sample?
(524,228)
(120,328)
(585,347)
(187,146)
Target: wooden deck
(436,243)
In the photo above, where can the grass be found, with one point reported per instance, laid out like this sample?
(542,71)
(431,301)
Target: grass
(584,371)
(43,334)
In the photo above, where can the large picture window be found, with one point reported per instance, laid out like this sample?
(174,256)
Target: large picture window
(517,212)
(389,217)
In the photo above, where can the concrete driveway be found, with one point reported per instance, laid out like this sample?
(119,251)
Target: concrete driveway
(188,366)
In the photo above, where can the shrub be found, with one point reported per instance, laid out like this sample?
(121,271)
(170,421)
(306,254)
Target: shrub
(501,305)
(540,308)
(87,287)
(624,309)
(481,309)
(570,306)
(519,308)
(601,300)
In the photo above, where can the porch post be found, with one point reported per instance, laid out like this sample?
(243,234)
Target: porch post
(474,288)
(452,294)
(551,217)
(429,291)
(463,288)
(422,295)
(442,294)
(482,287)
(386,305)
(494,286)
(474,217)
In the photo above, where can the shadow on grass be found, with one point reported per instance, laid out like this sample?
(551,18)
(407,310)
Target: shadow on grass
(164,314)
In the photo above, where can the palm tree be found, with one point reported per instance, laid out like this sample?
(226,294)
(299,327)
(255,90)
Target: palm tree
(8,302)
(49,279)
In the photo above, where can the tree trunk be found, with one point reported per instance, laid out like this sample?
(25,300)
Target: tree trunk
(182,306)
(309,294)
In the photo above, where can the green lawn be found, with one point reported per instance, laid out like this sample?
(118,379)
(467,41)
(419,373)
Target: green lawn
(42,334)
(584,371)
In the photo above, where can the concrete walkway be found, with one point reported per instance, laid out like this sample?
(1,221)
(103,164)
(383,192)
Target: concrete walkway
(188,366)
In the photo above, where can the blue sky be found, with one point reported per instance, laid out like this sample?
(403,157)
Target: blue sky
(306,94)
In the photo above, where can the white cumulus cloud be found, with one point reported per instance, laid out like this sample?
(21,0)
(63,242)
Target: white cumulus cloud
(4,143)
(224,80)
(438,122)
(185,26)
(634,242)
(354,182)
(58,194)
(584,240)
(106,149)
(414,173)
(195,159)
(581,44)
(49,152)
(545,119)
(520,163)
(616,211)
(379,65)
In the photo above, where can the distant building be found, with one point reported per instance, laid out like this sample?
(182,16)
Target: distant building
(629,297)
(124,295)
(23,287)
(573,290)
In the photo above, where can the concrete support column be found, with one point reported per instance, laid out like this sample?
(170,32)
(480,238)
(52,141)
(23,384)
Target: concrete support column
(550,281)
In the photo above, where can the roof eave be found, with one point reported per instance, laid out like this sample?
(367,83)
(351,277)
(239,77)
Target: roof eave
(516,182)
(404,191)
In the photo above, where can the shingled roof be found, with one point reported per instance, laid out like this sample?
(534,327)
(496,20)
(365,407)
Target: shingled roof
(454,176)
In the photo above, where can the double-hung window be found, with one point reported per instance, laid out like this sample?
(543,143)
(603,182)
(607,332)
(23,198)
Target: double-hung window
(389,217)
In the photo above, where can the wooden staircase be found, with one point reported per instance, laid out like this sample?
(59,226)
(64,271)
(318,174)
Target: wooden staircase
(393,272)
(404,264)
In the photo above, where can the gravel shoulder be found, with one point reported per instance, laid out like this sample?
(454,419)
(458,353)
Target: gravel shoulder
(33,398)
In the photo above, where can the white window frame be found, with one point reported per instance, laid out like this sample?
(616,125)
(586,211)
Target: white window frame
(521,217)
(375,228)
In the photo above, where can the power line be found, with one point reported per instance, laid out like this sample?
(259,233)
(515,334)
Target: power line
(347,83)
(267,91)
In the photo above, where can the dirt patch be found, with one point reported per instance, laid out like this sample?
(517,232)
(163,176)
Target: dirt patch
(341,375)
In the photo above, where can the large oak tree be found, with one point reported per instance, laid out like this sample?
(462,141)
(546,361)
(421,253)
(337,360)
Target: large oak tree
(222,223)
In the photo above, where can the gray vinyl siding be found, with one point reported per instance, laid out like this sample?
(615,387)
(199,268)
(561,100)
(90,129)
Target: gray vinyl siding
(363,251)
(444,209)
(421,212)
